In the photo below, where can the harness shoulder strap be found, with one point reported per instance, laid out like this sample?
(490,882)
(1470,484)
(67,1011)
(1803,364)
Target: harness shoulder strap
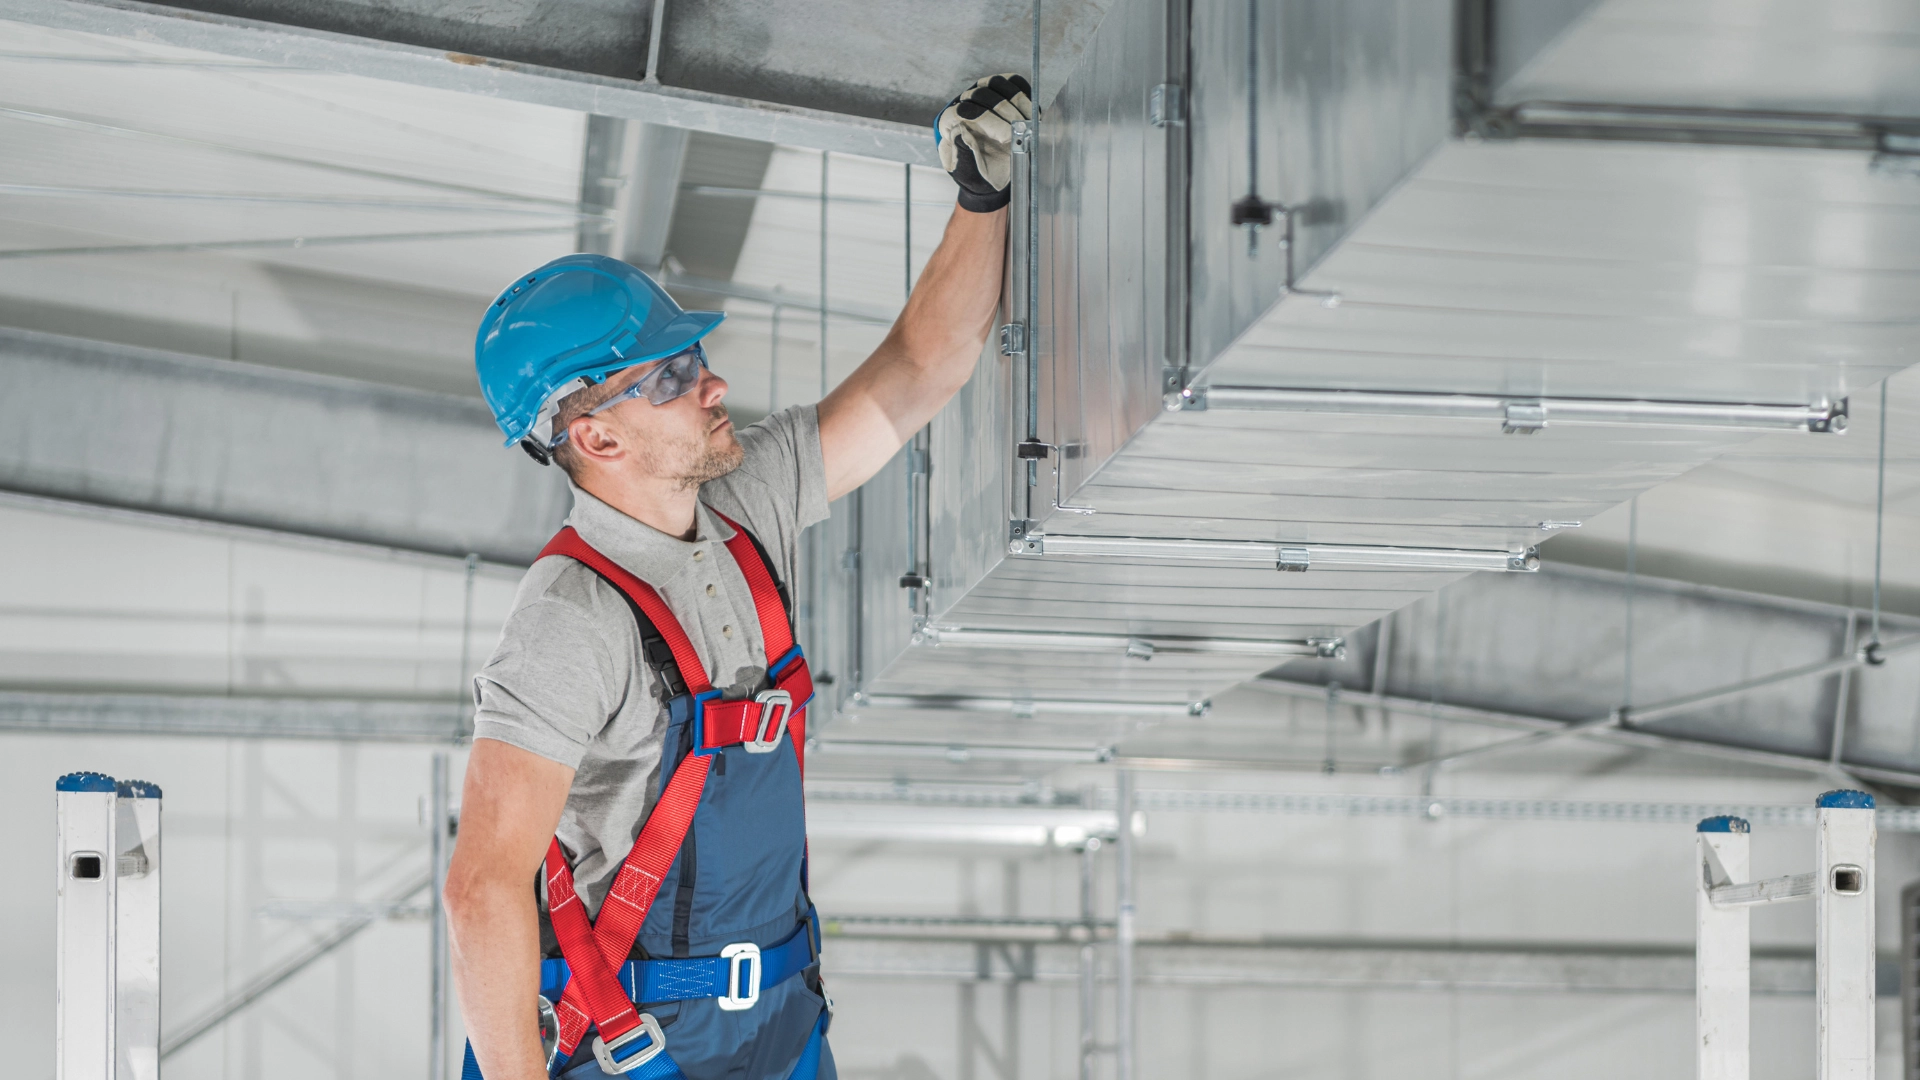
(658,617)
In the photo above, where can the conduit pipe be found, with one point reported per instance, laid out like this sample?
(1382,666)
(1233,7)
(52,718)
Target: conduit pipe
(1523,415)
(1283,556)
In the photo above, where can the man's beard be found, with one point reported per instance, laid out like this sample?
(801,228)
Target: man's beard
(700,461)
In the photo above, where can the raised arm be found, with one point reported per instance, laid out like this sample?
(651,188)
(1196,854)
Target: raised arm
(926,358)
(930,352)
(508,810)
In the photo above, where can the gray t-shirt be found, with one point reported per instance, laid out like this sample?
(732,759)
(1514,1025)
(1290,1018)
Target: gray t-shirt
(568,681)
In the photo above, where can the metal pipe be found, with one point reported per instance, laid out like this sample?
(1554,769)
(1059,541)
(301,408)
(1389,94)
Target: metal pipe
(1033,256)
(353,549)
(1526,414)
(338,202)
(1143,648)
(824,160)
(284,242)
(1284,556)
(74,123)
(778,297)
(962,752)
(1026,707)
(1900,819)
(1089,973)
(1622,717)
(1838,744)
(1125,932)
(439,814)
(655,37)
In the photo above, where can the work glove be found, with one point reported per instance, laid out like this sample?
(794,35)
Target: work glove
(975,136)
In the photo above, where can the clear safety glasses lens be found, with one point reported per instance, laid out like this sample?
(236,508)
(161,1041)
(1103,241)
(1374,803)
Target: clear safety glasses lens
(669,379)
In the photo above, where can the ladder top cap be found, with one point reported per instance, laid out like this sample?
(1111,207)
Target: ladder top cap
(85,781)
(138,789)
(1724,823)
(1845,799)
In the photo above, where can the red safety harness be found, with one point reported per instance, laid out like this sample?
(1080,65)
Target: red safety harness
(595,949)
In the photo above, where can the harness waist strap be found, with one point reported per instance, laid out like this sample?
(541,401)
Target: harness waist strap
(649,981)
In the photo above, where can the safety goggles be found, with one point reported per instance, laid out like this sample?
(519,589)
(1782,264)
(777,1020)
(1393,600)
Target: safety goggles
(670,378)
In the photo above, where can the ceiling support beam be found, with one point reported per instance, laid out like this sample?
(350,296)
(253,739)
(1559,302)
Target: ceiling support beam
(398,61)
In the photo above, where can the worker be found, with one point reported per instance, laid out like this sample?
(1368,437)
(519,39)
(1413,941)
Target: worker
(628,892)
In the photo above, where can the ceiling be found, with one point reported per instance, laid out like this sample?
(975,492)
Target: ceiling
(235,206)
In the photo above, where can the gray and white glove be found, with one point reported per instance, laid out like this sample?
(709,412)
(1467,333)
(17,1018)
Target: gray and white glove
(975,136)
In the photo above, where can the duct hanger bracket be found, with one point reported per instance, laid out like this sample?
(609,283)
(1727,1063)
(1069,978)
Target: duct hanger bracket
(1167,105)
(1013,339)
(1177,396)
(1523,418)
(1329,648)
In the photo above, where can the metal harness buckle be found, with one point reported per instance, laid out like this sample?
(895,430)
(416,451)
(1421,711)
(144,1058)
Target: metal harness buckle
(549,1032)
(737,956)
(603,1051)
(769,701)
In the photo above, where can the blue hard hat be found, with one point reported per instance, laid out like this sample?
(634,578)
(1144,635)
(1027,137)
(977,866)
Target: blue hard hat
(569,324)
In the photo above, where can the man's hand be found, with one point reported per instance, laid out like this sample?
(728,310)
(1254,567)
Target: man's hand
(975,134)
(508,811)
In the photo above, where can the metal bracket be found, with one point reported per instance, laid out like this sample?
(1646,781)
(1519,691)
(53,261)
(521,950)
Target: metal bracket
(1177,396)
(1024,132)
(1294,559)
(1013,340)
(1524,561)
(1523,418)
(1167,105)
(1834,422)
(1329,648)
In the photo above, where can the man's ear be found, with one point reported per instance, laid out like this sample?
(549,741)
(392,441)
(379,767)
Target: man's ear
(594,441)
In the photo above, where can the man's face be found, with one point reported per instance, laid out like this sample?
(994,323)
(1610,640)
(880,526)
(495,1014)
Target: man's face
(688,440)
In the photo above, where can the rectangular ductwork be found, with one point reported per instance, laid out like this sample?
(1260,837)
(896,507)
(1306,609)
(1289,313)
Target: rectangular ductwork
(1284,302)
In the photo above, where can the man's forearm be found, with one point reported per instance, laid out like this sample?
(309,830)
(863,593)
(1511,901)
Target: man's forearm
(495,934)
(948,317)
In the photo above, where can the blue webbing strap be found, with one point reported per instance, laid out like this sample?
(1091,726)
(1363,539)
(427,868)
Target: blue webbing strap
(662,1067)
(808,1067)
(649,981)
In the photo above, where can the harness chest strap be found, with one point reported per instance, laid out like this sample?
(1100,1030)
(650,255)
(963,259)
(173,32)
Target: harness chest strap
(595,949)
